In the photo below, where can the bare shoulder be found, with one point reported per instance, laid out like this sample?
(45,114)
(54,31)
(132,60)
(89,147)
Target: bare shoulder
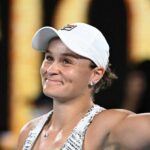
(102,125)
(25,131)
(138,124)
(109,119)
(133,132)
(112,117)
(138,121)
(120,129)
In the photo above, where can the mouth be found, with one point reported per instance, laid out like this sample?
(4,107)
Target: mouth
(53,81)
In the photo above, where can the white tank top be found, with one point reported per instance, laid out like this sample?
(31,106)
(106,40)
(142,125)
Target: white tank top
(76,138)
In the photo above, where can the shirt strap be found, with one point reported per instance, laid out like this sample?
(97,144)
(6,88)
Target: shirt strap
(33,134)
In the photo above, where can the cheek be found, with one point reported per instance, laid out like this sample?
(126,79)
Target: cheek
(42,72)
(68,75)
(42,69)
(80,77)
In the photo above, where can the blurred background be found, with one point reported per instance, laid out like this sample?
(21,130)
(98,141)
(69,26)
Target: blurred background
(126,26)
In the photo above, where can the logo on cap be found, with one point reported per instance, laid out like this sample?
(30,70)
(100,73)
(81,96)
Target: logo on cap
(68,27)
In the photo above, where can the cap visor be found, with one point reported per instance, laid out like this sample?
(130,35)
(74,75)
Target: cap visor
(42,37)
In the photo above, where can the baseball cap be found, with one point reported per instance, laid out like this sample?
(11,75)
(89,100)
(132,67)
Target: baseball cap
(81,38)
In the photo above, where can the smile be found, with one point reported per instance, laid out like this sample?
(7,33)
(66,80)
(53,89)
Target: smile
(51,81)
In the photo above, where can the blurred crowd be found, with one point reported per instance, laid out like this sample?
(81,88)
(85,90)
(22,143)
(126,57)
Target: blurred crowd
(137,88)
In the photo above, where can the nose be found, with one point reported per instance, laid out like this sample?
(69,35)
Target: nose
(53,69)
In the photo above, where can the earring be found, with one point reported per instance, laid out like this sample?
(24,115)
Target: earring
(91,84)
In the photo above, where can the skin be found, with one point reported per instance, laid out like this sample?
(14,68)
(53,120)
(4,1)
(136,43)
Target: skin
(65,77)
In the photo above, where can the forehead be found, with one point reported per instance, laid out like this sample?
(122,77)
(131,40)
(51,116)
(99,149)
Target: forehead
(58,47)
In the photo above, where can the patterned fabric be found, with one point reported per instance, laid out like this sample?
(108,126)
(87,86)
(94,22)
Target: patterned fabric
(33,134)
(76,138)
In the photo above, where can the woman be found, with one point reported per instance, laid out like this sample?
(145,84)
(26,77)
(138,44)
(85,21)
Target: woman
(74,68)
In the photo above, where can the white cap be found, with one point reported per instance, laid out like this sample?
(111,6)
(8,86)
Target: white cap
(83,39)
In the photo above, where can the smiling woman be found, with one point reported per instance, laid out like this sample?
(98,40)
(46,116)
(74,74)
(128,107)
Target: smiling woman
(62,71)
(74,64)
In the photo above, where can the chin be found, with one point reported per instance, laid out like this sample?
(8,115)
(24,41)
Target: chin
(52,92)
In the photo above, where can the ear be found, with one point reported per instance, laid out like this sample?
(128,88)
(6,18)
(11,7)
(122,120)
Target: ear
(97,74)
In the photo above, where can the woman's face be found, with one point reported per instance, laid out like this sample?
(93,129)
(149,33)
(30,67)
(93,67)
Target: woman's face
(65,75)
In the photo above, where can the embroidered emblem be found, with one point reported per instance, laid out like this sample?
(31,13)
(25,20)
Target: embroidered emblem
(69,27)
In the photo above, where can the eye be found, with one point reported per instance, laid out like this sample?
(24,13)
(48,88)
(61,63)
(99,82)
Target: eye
(67,61)
(49,58)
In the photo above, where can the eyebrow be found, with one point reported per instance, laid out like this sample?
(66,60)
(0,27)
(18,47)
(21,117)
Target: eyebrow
(69,55)
(73,55)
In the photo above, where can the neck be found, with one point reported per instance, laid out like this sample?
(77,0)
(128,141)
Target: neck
(69,112)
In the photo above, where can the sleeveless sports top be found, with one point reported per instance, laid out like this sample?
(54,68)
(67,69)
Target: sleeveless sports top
(75,139)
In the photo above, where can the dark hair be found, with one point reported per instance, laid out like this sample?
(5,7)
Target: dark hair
(106,80)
